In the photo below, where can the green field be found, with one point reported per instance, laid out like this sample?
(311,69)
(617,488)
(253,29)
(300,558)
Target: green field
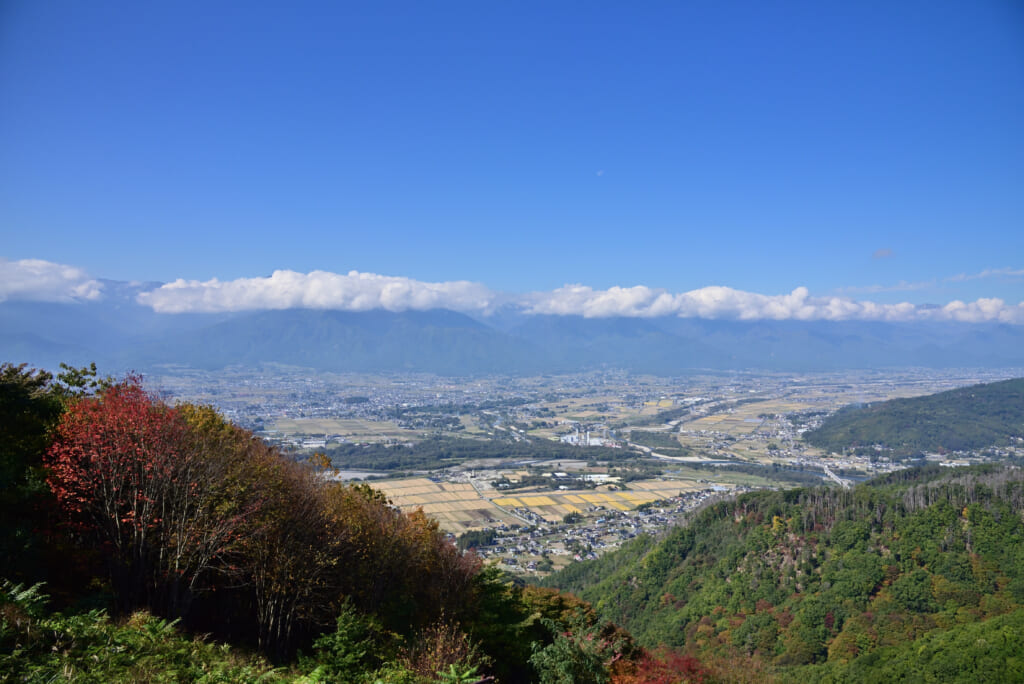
(352,429)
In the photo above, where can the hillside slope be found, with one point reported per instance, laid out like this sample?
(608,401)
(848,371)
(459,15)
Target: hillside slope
(961,419)
(819,584)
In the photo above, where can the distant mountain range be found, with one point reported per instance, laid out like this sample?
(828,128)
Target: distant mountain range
(120,334)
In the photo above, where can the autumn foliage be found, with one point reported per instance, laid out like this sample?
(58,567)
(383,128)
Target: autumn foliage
(662,667)
(133,479)
(186,507)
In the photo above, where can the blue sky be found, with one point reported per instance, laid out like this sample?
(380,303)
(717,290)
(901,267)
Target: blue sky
(862,150)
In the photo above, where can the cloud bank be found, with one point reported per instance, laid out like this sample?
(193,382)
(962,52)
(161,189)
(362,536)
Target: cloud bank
(45,281)
(357,291)
(712,302)
(38,280)
(353,291)
(726,302)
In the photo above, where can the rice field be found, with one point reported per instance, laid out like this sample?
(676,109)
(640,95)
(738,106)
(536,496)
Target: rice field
(459,507)
(556,505)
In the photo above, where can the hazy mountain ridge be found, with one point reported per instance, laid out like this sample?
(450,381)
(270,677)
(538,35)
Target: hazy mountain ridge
(442,342)
(119,333)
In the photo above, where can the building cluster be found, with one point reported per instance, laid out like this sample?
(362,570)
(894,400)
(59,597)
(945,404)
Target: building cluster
(541,545)
(594,434)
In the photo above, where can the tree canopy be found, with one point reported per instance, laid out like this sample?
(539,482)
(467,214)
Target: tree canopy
(967,418)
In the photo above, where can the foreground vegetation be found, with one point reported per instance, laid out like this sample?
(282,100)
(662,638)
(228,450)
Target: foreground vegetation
(916,576)
(39,645)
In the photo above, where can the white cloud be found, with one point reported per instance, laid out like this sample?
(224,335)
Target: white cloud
(38,280)
(707,302)
(725,302)
(353,291)
(581,300)
(729,303)
(980,311)
(34,279)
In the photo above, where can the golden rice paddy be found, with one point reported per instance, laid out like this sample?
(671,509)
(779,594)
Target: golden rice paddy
(459,507)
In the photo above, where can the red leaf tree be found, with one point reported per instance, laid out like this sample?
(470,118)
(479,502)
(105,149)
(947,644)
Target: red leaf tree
(663,667)
(133,478)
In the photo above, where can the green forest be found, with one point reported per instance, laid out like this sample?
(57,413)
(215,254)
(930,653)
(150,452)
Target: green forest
(962,419)
(441,452)
(916,576)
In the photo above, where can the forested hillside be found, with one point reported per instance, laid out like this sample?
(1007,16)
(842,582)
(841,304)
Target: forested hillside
(918,575)
(961,419)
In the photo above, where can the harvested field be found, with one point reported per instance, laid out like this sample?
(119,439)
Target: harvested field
(459,507)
